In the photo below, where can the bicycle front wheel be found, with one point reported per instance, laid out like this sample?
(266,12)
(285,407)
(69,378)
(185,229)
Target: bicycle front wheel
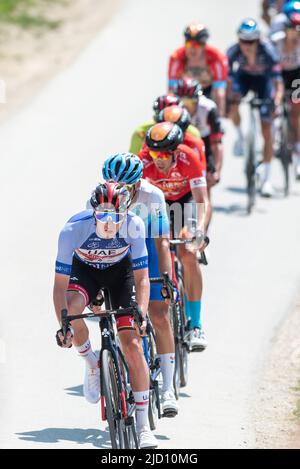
(113,409)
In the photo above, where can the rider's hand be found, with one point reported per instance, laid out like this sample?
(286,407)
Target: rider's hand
(143,327)
(60,339)
(200,240)
(213,178)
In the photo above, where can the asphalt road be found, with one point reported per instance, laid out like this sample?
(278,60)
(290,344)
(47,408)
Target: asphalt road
(51,153)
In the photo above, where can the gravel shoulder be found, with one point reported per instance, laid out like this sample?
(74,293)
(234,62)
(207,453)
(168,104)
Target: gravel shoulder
(30,57)
(277,409)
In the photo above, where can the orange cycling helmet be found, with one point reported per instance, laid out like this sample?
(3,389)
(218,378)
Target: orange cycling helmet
(196,32)
(164,136)
(176,115)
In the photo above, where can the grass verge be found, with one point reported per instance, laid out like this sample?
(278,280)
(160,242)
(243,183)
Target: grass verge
(27,14)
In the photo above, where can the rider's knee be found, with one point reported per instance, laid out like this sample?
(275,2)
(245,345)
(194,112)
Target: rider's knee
(132,350)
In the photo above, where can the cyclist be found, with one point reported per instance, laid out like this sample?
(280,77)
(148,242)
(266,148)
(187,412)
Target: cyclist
(176,169)
(105,248)
(199,60)
(254,65)
(206,118)
(148,203)
(181,117)
(287,43)
(278,21)
(271,7)
(139,134)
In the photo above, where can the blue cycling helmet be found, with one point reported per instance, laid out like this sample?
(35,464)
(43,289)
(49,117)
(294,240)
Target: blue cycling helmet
(123,167)
(249,30)
(291,7)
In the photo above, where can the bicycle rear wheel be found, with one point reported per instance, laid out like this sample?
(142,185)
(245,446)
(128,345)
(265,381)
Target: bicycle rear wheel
(251,176)
(285,155)
(184,350)
(113,407)
(154,402)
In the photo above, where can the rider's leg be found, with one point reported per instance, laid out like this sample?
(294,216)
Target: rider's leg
(76,302)
(139,375)
(160,317)
(193,285)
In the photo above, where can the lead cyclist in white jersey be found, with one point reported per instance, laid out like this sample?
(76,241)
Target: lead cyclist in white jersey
(105,248)
(148,202)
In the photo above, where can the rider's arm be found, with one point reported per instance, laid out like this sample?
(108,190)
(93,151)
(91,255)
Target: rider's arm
(276,74)
(199,190)
(61,283)
(139,256)
(163,253)
(142,285)
(220,77)
(63,268)
(216,135)
(201,198)
(176,67)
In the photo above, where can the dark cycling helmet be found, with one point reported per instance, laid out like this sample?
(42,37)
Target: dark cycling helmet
(164,136)
(176,115)
(188,88)
(163,101)
(248,30)
(196,32)
(111,193)
(293,21)
(291,7)
(123,167)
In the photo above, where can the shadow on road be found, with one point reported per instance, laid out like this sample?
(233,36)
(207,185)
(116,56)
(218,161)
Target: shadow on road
(76,391)
(97,438)
(239,210)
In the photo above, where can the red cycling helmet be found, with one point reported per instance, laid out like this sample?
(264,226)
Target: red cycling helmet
(293,21)
(163,101)
(196,32)
(188,88)
(113,194)
(176,115)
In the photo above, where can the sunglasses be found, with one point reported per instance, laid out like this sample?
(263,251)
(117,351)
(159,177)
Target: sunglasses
(113,217)
(248,43)
(194,44)
(160,155)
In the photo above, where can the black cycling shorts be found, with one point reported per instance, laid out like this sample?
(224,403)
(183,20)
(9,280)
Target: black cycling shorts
(118,280)
(182,212)
(289,78)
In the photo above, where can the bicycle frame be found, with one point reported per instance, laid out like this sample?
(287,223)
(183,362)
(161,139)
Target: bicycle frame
(109,343)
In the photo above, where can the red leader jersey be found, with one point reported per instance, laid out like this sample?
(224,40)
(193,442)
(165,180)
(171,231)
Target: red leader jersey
(186,173)
(216,67)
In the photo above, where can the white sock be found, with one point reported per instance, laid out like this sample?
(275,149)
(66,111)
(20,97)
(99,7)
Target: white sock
(267,171)
(142,405)
(167,366)
(86,352)
(239,133)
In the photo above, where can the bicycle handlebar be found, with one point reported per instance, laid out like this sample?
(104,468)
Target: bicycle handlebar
(203,258)
(133,310)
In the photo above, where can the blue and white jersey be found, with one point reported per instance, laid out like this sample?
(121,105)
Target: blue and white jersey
(266,63)
(150,205)
(79,238)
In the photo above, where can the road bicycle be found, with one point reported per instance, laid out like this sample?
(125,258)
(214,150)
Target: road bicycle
(117,400)
(177,313)
(283,146)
